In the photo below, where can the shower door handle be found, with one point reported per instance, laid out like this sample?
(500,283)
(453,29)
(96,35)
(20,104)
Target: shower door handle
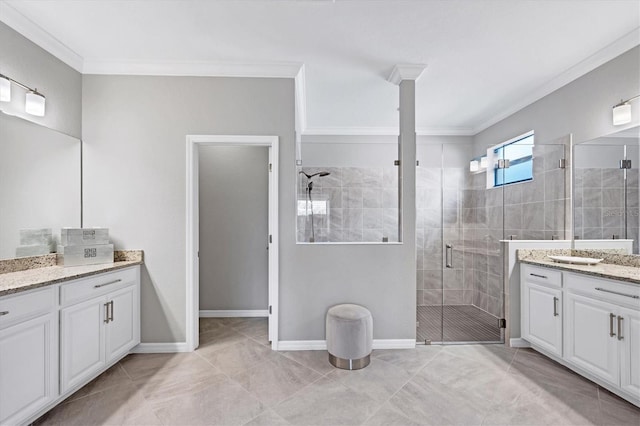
(449,256)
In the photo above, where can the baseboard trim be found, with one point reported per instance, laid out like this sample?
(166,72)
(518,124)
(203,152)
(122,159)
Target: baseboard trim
(321,345)
(160,348)
(519,342)
(234,313)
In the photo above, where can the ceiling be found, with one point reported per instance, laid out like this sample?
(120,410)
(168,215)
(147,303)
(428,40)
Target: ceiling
(485,59)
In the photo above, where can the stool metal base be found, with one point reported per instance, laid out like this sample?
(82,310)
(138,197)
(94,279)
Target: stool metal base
(349,364)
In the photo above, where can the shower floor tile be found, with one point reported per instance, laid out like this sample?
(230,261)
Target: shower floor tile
(462,323)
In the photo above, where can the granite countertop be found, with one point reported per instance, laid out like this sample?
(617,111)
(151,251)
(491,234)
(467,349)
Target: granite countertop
(615,266)
(28,279)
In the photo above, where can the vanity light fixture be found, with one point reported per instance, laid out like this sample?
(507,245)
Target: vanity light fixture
(34,100)
(622,112)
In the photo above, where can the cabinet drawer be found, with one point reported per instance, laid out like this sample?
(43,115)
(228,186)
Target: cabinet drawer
(540,275)
(23,306)
(607,290)
(86,288)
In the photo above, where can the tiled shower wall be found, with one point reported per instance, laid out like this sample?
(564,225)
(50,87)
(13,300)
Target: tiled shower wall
(362,204)
(599,204)
(455,207)
(538,209)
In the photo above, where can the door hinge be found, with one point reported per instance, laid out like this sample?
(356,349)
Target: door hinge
(270,239)
(270,310)
(417,163)
(625,164)
(502,323)
(396,162)
(562,163)
(503,164)
(270,167)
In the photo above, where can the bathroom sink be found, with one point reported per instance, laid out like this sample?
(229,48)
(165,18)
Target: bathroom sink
(575,260)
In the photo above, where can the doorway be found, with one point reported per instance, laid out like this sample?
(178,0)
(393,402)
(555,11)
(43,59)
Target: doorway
(196,144)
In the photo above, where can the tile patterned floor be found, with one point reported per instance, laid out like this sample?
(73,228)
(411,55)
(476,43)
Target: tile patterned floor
(462,323)
(235,379)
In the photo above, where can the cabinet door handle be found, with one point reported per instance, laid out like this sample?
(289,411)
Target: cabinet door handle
(111,311)
(539,276)
(611,318)
(633,296)
(449,256)
(3,313)
(106,313)
(105,284)
(555,307)
(620,336)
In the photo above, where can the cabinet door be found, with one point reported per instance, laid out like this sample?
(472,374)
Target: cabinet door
(630,351)
(82,342)
(28,368)
(542,324)
(589,343)
(121,331)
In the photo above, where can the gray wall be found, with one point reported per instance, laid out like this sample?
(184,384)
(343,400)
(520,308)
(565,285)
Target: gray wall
(31,65)
(135,168)
(134,130)
(234,213)
(582,107)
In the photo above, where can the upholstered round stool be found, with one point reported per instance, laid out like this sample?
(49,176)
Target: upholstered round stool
(349,336)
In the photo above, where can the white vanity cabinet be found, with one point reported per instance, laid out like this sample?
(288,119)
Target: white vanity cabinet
(28,354)
(542,308)
(99,324)
(630,351)
(602,329)
(595,331)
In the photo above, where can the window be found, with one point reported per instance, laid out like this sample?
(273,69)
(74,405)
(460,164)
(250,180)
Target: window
(513,161)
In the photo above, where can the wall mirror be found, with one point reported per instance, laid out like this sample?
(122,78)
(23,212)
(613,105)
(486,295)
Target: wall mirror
(40,181)
(605,187)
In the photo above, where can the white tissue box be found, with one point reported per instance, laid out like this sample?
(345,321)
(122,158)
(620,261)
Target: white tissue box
(84,236)
(35,237)
(89,254)
(33,250)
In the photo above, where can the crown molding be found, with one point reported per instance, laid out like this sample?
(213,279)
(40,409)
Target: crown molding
(406,72)
(351,131)
(387,131)
(39,36)
(194,69)
(604,55)
(445,131)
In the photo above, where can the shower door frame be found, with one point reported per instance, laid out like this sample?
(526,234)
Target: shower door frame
(193,229)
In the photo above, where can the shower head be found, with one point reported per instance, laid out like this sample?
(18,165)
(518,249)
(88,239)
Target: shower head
(321,174)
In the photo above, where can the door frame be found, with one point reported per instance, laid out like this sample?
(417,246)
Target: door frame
(193,228)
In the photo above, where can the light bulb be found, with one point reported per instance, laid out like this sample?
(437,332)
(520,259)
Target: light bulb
(5,89)
(34,104)
(621,114)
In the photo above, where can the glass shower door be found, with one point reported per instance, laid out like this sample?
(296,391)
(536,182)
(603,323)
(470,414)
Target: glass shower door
(459,266)
(472,226)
